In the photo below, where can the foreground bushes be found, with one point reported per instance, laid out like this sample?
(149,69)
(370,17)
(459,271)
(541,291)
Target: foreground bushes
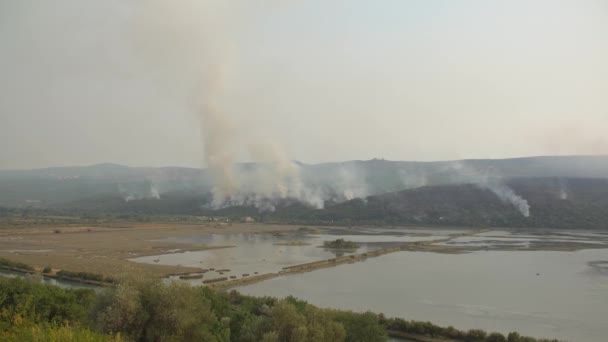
(398,325)
(154,311)
(86,276)
(40,303)
(26,331)
(19,265)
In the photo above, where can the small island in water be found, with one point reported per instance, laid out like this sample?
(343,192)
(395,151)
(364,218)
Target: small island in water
(340,244)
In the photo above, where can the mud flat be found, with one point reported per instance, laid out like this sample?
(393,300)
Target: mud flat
(349,259)
(106,250)
(311,266)
(292,243)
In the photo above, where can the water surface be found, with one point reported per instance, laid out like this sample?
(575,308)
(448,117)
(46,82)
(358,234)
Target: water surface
(538,293)
(267,253)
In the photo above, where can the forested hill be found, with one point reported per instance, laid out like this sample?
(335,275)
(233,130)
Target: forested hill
(50,187)
(553,203)
(572,203)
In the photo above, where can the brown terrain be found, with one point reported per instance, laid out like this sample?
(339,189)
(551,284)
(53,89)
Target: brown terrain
(106,250)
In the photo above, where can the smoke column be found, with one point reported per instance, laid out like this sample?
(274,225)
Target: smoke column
(494,183)
(507,194)
(196,41)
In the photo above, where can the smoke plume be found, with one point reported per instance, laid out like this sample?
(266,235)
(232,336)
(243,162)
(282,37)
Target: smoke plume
(488,179)
(507,194)
(194,48)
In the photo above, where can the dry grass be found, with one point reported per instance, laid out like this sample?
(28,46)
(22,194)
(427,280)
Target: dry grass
(105,250)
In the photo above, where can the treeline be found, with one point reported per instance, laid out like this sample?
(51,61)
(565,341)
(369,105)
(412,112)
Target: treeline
(154,311)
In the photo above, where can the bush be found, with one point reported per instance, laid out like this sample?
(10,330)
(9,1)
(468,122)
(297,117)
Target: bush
(26,331)
(361,326)
(19,265)
(157,312)
(47,269)
(340,244)
(40,303)
(83,275)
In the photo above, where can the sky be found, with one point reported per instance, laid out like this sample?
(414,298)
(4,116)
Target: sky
(125,81)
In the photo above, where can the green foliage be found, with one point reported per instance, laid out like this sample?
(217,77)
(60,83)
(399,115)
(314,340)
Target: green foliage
(19,265)
(42,303)
(361,327)
(340,244)
(398,325)
(155,311)
(308,324)
(25,331)
(86,276)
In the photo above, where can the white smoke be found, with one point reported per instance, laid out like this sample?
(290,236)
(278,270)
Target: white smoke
(154,193)
(413,180)
(488,179)
(563,193)
(136,193)
(507,194)
(193,45)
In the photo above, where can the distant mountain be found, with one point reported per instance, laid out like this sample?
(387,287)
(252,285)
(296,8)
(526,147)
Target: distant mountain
(53,186)
(75,187)
(572,203)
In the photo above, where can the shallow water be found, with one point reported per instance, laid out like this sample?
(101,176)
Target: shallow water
(264,253)
(552,294)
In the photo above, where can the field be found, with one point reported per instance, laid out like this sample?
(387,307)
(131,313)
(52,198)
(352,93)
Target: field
(105,250)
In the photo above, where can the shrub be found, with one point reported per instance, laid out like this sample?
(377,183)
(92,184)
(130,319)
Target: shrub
(9,263)
(82,275)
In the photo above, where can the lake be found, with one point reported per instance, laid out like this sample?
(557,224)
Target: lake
(265,253)
(555,294)
(542,294)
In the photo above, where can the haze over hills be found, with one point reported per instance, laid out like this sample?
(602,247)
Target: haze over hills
(535,191)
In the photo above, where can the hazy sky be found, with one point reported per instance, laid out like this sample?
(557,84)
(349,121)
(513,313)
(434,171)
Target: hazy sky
(84,81)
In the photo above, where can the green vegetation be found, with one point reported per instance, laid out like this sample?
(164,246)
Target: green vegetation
(401,327)
(154,311)
(8,263)
(309,230)
(86,276)
(26,331)
(340,244)
(37,312)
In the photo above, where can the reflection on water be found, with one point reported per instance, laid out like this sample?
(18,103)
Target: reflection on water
(265,253)
(542,293)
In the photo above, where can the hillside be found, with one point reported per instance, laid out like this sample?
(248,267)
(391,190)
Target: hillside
(63,186)
(572,203)
(583,205)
